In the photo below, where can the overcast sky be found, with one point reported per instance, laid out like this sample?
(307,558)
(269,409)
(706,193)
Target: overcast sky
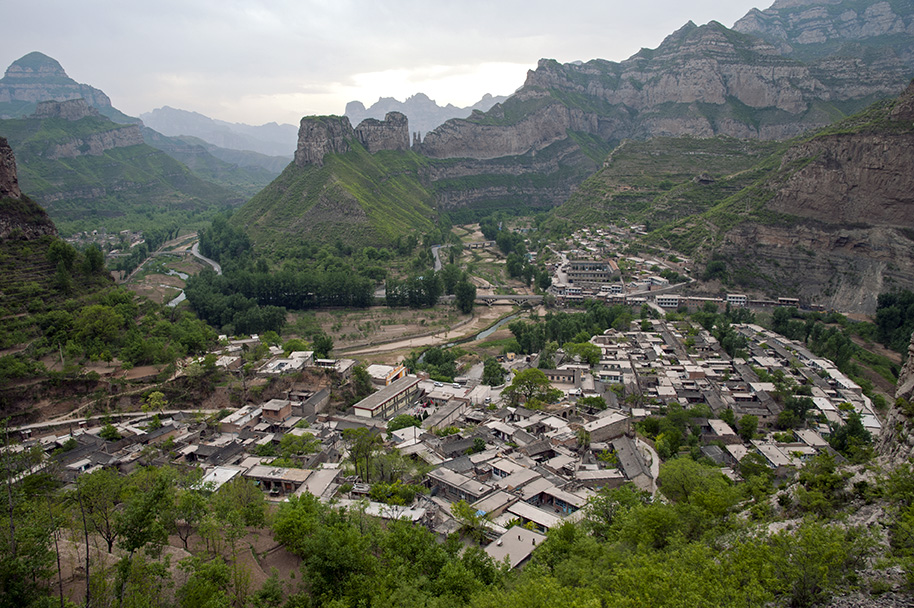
(258,61)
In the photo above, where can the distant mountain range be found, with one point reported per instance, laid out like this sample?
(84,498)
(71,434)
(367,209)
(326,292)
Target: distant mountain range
(720,98)
(93,166)
(423,113)
(270,139)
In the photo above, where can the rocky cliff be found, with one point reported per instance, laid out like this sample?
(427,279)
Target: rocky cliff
(702,81)
(72,109)
(834,221)
(9,181)
(37,77)
(392,133)
(20,218)
(815,28)
(320,135)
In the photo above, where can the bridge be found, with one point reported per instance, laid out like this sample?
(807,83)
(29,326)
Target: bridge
(489,300)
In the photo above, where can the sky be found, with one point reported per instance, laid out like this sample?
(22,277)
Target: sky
(260,61)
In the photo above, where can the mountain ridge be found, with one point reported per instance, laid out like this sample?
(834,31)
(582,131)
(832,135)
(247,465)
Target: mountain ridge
(424,113)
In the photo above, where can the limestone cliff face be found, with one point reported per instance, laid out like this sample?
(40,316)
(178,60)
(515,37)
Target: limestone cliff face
(320,135)
(20,218)
(850,200)
(9,181)
(701,81)
(538,129)
(37,77)
(73,109)
(392,133)
(97,143)
(842,268)
(793,25)
(851,179)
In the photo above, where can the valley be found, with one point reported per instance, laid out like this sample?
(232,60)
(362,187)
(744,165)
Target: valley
(638,334)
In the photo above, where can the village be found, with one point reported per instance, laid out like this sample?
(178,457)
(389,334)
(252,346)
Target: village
(522,470)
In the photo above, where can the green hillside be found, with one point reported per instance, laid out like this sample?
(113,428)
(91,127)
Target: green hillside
(361,198)
(664,179)
(234,170)
(759,184)
(135,186)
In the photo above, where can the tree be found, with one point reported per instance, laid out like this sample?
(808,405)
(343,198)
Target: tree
(190,509)
(589,352)
(465,296)
(101,493)
(852,439)
(747,426)
(323,344)
(530,384)
(362,445)
(401,422)
(493,374)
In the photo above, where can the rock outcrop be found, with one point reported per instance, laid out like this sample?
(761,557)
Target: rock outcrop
(850,200)
(320,135)
(817,27)
(72,109)
(392,133)
(20,217)
(9,180)
(94,144)
(858,179)
(97,143)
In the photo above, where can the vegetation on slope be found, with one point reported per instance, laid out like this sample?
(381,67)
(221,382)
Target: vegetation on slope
(362,198)
(134,187)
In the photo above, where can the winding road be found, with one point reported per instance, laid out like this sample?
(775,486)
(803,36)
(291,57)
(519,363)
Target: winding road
(196,251)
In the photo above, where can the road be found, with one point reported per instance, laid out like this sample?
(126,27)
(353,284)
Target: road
(195,250)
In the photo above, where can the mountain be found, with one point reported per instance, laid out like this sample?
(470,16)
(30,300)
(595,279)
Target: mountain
(270,139)
(808,30)
(360,185)
(829,218)
(84,169)
(20,217)
(93,173)
(36,77)
(39,270)
(424,114)
(241,171)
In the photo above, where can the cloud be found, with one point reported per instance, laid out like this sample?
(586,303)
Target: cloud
(258,61)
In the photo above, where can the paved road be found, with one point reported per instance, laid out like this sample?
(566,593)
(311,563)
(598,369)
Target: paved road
(195,250)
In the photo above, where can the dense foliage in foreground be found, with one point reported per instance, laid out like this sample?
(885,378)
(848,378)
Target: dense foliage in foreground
(704,540)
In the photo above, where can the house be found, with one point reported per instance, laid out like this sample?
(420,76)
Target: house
(276,411)
(592,273)
(515,546)
(382,375)
(385,402)
(611,425)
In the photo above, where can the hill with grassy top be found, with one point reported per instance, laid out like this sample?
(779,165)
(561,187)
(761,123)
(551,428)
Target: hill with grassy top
(364,198)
